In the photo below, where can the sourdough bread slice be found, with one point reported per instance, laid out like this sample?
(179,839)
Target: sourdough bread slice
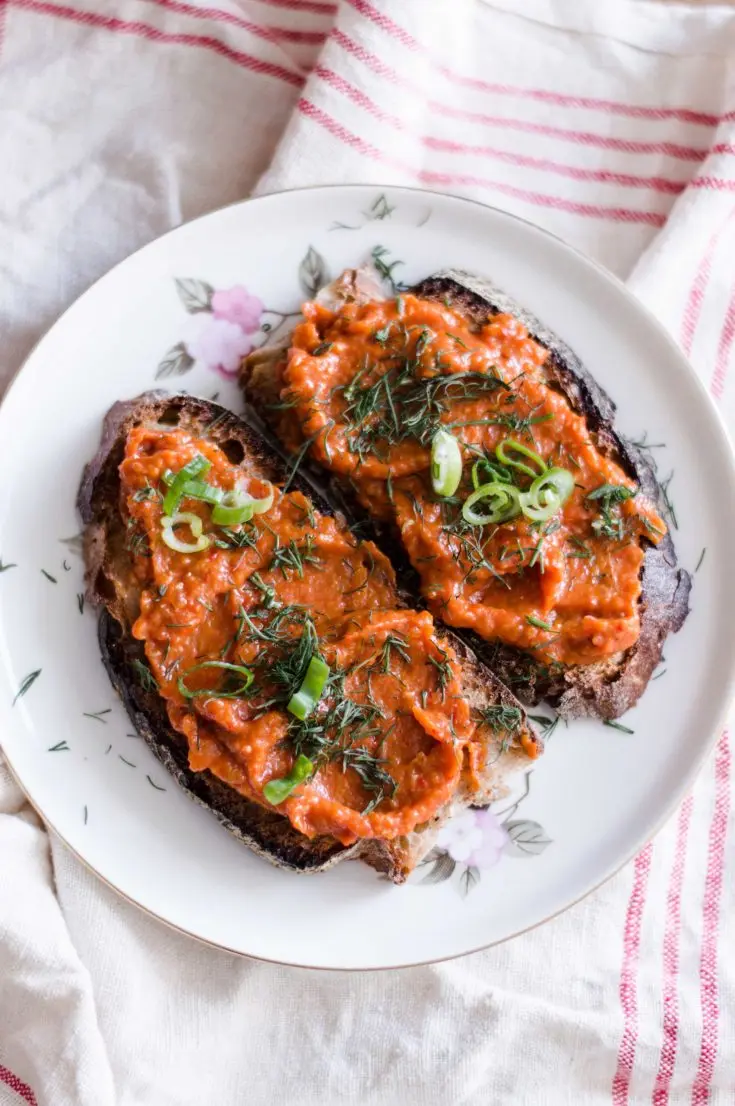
(605,689)
(113,588)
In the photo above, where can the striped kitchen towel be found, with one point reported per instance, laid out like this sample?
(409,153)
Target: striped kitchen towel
(612,125)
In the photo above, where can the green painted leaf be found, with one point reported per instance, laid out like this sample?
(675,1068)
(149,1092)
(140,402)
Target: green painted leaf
(176,362)
(313,273)
(441,866)
(470,878)
(196,295)
(526,838)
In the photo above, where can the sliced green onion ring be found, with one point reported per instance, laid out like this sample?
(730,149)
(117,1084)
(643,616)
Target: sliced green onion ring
(260,506)
(276,791)
(511,445)
(548,493)
(196,467)
(503,502)
(245,674)
(234,508)
(446,463)
(238,506)
(306,698)
(194,523)
(200,489)
(494,472)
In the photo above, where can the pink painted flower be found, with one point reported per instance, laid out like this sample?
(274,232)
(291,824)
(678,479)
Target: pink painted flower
(475,838)
(236,305)
(216,344)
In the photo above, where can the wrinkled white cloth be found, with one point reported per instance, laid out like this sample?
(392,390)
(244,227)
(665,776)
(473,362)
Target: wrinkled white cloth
(614,126)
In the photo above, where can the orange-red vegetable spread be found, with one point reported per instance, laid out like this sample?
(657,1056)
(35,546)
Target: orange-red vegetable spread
(391,734)
(369,384)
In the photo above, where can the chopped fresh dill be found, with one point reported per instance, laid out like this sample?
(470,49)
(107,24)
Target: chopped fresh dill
(579,548)
(244,537)
(147,492)
(266,590)
(137,541)
(502,719)
(443,671)
(617,726)
(532,620)
(384,269)
(297,462)
(146,677)
(394,643)
(293,557)
(607,498)
(509,420)
(668,505)
(547,725)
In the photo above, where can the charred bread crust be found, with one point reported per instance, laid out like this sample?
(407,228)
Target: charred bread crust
(267,833)
(607,688)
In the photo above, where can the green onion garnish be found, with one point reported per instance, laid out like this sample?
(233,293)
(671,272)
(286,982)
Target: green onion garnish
(200,489)
(276,791)
(195,525)
(495,472)
(547,494)
(303,701)
(446,463)
(233,508)
(237,506)
(510,445)
(503,502)
(246,677)
(175,493)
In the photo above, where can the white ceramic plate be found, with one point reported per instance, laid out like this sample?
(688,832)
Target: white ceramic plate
(180,313)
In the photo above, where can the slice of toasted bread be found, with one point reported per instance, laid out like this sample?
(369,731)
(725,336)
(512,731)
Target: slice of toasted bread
(607,688)
(112,586)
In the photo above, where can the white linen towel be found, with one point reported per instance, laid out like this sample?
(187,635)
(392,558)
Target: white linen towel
(612,125)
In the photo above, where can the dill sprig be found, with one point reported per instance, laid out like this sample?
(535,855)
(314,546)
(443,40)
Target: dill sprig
(245,537)
(399,406)
(146,677)
(509,420)
(668,505)
(137,540)
(443,671)
(385,270)
(607,498)
(340,727)
(293,557)
(394,643)
(469,544)
(501,719)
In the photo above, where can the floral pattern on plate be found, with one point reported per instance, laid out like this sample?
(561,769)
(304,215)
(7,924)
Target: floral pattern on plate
(477,839)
